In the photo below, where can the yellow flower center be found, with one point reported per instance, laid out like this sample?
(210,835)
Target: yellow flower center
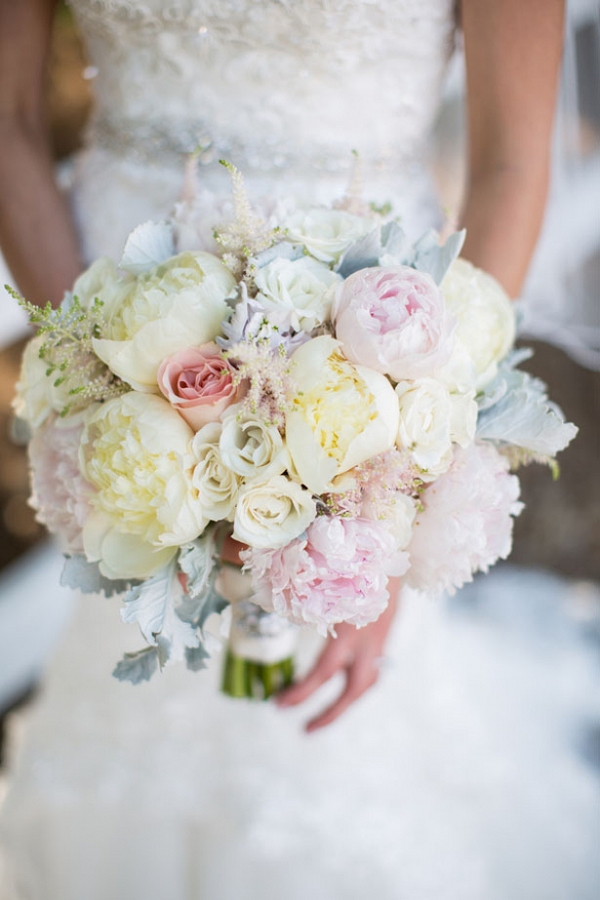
(338,408)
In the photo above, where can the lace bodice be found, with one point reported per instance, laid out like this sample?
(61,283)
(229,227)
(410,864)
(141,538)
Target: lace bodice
(275,83)
(284,89)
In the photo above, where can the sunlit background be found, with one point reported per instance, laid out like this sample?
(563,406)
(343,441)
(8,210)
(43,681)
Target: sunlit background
(552,581)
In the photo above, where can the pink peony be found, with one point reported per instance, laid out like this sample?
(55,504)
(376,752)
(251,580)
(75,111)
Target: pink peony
(393,319)
(466,524)
(198,383)
(337,573)
(59,492)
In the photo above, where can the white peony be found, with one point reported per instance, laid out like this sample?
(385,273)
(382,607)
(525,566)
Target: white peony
(300,288)
(486,325)
(271,514)
(101,281)
(251,447)
(36,395)
(178,304)
(431,420)
(340,414)
(136,453)
(326,233)
(216,484)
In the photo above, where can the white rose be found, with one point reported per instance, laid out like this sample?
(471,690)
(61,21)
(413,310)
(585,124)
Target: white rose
(271,514)
(485,329)
(431,419)
(252,448)
(300,287)
(327,233)
(36,394)
(340,414)
(136,453)
(176,305)
(216,484)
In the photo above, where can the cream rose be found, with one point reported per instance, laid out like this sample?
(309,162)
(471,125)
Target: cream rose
(431,420)
(217,486)
(252,448)
(272,513)
(136,453)
(340,414)
(485,329)
(327,233)
(300,288)
(176,305)
(198,383)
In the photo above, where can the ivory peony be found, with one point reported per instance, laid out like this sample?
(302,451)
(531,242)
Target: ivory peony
(136,452)
(340,414)
(178,304)
(486,325)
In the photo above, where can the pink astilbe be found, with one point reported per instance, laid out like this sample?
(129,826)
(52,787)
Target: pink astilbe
(266,373)
(373,487)
(337,573)
(59,492)
(466,522)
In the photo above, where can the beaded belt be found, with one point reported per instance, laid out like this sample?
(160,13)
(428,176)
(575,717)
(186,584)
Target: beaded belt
(149,142)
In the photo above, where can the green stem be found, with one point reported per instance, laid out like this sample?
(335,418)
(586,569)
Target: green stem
(254,680)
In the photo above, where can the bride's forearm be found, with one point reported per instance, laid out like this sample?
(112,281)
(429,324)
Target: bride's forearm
(503,215)
(37,235)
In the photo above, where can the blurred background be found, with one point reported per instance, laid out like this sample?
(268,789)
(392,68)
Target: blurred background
(554,570)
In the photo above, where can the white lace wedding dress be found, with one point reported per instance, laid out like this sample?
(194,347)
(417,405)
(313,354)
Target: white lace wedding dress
(453,778)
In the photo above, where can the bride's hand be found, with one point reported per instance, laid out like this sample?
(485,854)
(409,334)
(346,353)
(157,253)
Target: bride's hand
(356,652)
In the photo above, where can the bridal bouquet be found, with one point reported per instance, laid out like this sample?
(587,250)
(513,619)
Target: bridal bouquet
(345,403)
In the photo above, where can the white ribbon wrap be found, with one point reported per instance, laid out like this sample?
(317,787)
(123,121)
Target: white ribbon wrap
(256,635)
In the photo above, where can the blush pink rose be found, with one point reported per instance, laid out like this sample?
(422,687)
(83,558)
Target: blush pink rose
(198,383)
(393,319)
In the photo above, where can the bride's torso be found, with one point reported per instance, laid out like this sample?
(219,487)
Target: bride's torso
(285,89)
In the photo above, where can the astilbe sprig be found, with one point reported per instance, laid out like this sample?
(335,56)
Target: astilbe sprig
(266,372)
(376,483)
(68,352)
(248,234)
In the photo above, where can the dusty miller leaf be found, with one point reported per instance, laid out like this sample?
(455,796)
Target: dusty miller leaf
(436,259)
(85,576)
(196,560)
(148,245)
(137,667)
(153,605)
(281,250)
(522,415)
(196,658)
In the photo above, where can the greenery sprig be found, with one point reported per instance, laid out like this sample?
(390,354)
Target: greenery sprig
(67,350)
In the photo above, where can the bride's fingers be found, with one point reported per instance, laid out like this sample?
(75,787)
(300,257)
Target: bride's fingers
(332,659)
(361,676)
